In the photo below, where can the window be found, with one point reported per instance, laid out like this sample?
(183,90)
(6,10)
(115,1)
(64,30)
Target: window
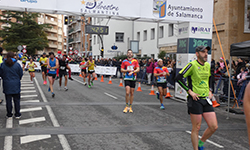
(119,37)
(94,39)
(145,35)
(153,34)
(170,30)
(59,20)
(98,39)
(46,17)
(41,16)
(59,43)
(138,36)
(60,36)
(161,32)
(59,28)
(52,19)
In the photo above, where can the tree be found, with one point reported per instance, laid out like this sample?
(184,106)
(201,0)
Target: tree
(24,31)
(162,54)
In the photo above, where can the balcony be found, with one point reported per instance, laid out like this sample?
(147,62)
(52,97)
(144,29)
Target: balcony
(71,30)
(52,46)
(52,15)
(51,30)
(60,39)
(52,38)
(50,22)
(78,28)
(60,32)
(78,40)
(60,47)
(71,40)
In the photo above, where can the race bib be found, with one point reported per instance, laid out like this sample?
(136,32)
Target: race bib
(161,79)
(52,69)
(62,67)
(91,70)
(130,68)
(43,62)
(31,68)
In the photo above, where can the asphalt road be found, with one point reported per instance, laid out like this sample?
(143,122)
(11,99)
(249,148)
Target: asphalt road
(83,118)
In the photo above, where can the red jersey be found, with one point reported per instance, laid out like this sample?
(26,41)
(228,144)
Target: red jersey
(130,65)
(161,78)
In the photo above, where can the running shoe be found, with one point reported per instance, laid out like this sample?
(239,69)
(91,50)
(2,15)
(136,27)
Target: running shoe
(85,83)
(53,95)
(130,110)
(125,109)
(7,117)
(92,83)
(89,86)
(49,89)
(70,78)
(162,107)
(201,148)
(1,101)
(158,95)
(65,88)
(57,77)
(18,117)
(45,82)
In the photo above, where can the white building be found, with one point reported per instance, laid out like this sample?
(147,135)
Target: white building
(122,32)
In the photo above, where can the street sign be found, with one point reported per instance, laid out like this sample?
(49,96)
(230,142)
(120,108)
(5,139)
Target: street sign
(114,47)
(24,49)
(71,48)
(19,47)
(76,52)
(93,29)
(71,52)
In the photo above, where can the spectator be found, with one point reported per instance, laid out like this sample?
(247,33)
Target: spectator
(242,76)
(169,64)
(149,70)
(240,64)
(119,63)
(11,73)
(222,64)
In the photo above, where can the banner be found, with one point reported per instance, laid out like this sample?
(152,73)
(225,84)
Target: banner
(247,17)
(169,10)
(105,70)
(36,68)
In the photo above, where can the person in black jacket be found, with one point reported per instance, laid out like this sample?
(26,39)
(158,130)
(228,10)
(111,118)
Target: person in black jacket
(240,64)
(11,73)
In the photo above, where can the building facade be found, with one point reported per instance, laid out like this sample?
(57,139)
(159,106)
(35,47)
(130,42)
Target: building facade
(55,35)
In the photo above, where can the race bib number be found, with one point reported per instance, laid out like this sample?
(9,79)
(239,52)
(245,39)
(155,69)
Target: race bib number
(91,70)
(24,59)
(130,68)
(52,69)
(62,67)
(31,68)
(161,79)
(43,62)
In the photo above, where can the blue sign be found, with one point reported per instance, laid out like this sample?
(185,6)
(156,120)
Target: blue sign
(114,47)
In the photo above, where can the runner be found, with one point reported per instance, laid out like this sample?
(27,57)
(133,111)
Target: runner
(43,63)
(53,64)
(24,59)
(63,72)
(82,65)
(91,70)
(130,67)
(161,73)
(31,67)
(59,57)
(246,105)
(199,97)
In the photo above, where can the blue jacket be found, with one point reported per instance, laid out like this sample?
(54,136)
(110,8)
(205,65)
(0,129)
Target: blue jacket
(11,77)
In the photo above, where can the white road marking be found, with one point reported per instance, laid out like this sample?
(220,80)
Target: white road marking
(25,85)
(32,120)
(78,81)
(8,139)
(110,95)
(26,96)
(62,138)
(31,91)
(31,109)
(26,82)
(27,88)
(31,101)
(211,142)
(33,138)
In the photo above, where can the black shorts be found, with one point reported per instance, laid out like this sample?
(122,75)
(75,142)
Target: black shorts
(83,70)
(44,69)
(24,63)
(198,107)
(130,83)
(163,85)
(52,75)
(62,73)
(31,71)
(90,72)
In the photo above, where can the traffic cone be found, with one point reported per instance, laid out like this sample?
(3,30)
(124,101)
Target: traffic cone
(139,87)
(110,81)
(102,79)
(95,78)
(120,83)
(168,94)
(80,75)
(152,91)
(215,104)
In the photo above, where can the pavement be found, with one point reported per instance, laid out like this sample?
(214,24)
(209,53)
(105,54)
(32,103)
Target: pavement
(92,119)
